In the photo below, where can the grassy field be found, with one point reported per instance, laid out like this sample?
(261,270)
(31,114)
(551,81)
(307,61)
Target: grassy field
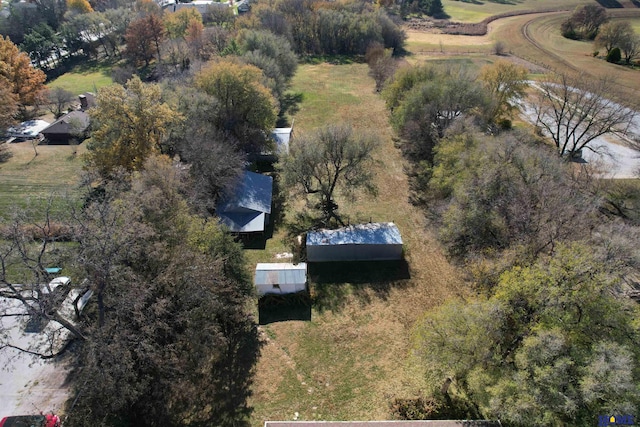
(557,53)
(354,353)
(84,78)
(476,11)
(30,180)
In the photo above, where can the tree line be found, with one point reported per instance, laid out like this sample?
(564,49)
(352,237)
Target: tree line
(548,337)
(170,336)
(617,37)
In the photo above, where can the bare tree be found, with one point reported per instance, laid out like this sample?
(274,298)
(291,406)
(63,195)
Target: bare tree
(331,160)
(59,100)
(575,111)
(499,48)
(630,47)
(382,65)
(26,249)
(614,34)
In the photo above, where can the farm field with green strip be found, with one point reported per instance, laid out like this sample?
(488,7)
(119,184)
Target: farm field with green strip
(476,11)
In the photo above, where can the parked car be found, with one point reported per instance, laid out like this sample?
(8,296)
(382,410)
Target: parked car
(48,420)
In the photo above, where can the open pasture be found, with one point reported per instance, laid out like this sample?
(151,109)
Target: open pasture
(477,10)
(354,354)
(534,38)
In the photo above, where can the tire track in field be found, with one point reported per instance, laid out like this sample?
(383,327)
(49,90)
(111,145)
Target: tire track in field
(526,34)
(525,31)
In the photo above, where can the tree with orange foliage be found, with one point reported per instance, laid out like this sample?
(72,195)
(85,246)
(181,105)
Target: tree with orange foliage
(25,83)
(8,106)
(143,38)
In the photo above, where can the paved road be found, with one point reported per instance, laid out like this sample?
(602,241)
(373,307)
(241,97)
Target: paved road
(614,156)
(28,384)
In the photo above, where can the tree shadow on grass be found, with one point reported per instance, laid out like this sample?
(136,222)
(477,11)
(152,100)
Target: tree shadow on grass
(610,4)
(333,282)
(281,308)
(289,106)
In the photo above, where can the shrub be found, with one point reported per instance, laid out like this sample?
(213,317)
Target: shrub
(596,53)
(436,407)
(614,56)
(419,408)
(5,152)
(568,31)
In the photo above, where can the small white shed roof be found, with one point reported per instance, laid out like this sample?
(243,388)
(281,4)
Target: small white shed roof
(280,273)
(282,136)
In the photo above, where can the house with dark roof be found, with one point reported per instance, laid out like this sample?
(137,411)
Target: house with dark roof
(247,208)
(71,126)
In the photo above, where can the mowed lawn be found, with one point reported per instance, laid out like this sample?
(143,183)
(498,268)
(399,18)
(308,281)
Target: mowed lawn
(84,78)
(353,356)
(27,180)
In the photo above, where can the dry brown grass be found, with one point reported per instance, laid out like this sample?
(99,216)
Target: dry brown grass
(353,357)
(547,47)
(536,39)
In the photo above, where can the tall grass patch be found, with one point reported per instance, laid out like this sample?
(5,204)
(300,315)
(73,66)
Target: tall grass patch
(354,355)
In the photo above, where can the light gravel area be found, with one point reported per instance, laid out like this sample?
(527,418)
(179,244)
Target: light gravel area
(28,384)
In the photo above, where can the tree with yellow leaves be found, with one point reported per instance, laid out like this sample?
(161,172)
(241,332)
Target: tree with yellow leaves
(130,123)
(506,82)
(177,23)
(79,6)
(245,107)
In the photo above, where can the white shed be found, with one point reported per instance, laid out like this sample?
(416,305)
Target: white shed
(280,278)
(362,242)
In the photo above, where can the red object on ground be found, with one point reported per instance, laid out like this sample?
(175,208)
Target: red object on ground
(52,420)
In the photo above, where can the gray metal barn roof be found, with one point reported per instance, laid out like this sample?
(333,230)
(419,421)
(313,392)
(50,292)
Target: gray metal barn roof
(377,233)
(246,208)
(252,193)
(280,273)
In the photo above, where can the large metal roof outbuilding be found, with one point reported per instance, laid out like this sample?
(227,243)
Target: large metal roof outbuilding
(379,241)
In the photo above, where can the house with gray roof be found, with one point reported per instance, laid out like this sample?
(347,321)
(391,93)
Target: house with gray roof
(247,208)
